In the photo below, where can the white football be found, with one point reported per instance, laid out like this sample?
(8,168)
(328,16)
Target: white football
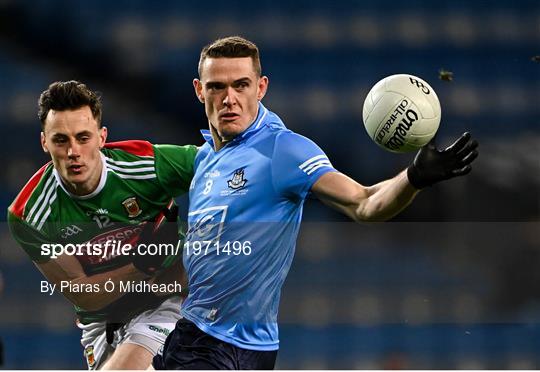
(401,113)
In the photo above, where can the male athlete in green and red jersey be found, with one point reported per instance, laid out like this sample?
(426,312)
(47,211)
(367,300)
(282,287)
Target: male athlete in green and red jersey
(92,192)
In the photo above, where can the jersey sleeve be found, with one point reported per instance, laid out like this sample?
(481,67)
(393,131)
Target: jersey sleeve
(30,239)
(297,164)
(174,167)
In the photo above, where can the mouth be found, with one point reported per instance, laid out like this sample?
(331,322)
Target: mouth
(75,168)
(228,116)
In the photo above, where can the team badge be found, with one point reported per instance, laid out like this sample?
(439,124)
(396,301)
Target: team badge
(132,207)
(238,181)
(89,353)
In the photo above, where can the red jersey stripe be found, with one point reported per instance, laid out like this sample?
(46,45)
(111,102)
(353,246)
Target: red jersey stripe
(135,147)
(17,207)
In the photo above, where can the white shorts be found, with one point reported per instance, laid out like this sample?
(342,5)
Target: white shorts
(149,329)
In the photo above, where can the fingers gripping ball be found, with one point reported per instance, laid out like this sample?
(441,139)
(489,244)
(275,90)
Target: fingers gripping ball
(401,113)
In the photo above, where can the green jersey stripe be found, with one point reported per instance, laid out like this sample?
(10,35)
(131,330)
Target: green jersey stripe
(46,213)
(51,191)
(130,163)
(134,176)
(41,196)
(131,170)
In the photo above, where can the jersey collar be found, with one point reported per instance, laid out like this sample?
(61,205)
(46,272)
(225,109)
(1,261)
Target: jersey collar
(98,189)
(254,127)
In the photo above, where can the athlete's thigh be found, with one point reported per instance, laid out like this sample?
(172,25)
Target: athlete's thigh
(144,336)
(129,356)
(95,346)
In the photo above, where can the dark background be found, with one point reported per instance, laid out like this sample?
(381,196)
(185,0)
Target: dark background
(451,283)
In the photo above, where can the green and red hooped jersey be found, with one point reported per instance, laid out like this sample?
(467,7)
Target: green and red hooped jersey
(138,180)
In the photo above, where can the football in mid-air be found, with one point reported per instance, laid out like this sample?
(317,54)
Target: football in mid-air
(401,113)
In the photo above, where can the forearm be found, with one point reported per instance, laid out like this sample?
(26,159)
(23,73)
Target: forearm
(385,199)
(374,203)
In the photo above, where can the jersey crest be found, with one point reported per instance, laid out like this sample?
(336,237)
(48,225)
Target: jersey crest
(238,181)
(132,207)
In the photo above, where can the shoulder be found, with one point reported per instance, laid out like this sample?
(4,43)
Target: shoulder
(133,147)
(129,156)
(289,141)
(202,152)
(299,152)
(37,188)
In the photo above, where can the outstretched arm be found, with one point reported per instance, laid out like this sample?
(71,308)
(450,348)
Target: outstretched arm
(379,202)
(384,200)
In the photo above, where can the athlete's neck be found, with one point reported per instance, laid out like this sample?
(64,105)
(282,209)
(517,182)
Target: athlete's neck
(88,187)
(219,142)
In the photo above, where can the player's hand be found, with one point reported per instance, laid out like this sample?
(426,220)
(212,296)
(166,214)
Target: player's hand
(158,232)
(432,165)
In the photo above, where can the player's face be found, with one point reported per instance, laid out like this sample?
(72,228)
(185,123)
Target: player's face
(230,90)
(73,139)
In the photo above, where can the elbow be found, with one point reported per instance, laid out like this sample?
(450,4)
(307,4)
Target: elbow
(370,211)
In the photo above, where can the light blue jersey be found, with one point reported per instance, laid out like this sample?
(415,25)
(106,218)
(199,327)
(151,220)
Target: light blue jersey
(244,215)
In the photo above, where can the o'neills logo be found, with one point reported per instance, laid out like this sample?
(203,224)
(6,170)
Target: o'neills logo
(398,111)
(398,138)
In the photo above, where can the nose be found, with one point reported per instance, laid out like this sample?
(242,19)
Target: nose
(230,98)
(74,150)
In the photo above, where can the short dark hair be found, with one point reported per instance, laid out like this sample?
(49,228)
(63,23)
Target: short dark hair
(68,95)
(232,47)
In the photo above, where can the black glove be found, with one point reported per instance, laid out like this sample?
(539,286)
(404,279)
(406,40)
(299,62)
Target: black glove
(163,230)
(432,165)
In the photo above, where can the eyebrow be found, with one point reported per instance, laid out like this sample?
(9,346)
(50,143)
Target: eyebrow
(210,84)
(244,79)
(81,133)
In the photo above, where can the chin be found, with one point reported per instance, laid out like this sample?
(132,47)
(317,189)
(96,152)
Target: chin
(78,179)
(231,130)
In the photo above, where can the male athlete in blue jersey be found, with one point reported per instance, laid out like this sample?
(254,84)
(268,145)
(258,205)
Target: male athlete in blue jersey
(252,177)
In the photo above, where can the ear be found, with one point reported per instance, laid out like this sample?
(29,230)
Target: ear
(102,136)
(262,87)
(44,143)
(197,84)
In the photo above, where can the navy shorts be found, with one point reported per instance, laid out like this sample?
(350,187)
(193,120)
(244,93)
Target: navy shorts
(187,347)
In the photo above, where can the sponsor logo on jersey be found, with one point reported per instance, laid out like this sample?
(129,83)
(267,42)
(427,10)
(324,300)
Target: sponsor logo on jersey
(120,236)
(68,231)
(89,353)
(206,224)
(132,207)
